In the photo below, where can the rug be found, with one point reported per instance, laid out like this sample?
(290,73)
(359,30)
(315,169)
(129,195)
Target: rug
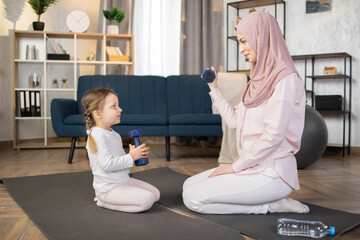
(62,207)
(170,183)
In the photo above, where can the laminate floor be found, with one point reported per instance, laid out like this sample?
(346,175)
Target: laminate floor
(332,181)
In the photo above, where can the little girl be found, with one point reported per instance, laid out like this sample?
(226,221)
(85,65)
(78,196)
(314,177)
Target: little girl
(114,189)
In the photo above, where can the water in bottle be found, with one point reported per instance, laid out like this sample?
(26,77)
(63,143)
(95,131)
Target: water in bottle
(293,227)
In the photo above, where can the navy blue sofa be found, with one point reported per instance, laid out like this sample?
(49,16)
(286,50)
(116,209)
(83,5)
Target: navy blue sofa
(172,106)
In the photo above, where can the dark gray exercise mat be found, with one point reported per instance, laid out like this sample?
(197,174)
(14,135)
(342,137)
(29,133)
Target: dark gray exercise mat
(170,184)
(62,206)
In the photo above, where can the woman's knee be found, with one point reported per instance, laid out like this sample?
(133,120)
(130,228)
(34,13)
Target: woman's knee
(192,202)
(156,194)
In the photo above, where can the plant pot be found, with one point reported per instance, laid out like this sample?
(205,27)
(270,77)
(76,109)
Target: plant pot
(112,29)
(54,85)
(64,85)
(38,26)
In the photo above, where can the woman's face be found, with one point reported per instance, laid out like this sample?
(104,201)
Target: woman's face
(244,48)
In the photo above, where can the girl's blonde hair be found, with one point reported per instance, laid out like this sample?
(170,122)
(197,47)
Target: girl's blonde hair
(93,100)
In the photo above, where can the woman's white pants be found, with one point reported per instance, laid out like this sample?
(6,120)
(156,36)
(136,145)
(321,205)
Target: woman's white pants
(234,193)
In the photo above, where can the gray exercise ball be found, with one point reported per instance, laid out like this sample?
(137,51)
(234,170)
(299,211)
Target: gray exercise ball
(314,139)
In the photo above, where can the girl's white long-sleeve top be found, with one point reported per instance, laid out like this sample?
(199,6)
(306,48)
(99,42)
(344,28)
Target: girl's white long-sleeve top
(110,163)
(268,135)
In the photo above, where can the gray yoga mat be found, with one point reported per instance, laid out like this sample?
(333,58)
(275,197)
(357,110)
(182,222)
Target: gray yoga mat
(62,206)
(170,183)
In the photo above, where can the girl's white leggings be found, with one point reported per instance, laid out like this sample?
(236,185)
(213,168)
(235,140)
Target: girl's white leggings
(233,193)
(133,196)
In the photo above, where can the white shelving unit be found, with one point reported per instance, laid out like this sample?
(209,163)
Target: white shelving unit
(77,46)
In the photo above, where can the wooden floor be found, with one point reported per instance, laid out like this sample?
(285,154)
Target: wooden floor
(331,182)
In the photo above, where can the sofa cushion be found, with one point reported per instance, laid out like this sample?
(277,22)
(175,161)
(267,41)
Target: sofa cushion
(77,119)
(187,94)
(126,119)
(143,119)
(195,119)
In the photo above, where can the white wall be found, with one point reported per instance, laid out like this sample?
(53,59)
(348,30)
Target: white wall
(55,20)
(337,30)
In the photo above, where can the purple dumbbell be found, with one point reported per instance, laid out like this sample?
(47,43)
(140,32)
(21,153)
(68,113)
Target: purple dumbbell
(135,134)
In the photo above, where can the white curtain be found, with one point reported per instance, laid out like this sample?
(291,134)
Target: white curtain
(156,29)
(202,36)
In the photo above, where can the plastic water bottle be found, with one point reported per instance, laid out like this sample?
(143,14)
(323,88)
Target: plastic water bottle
(293,227)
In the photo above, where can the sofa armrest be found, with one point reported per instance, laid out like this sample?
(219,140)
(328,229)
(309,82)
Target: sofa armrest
(60,109)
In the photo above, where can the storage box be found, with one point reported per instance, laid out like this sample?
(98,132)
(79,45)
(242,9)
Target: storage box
(328,102)
(330,70)
(55,56)
(117,58)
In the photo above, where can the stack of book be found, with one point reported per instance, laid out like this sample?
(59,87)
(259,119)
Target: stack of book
(58,52)
(28,104)
(115,55)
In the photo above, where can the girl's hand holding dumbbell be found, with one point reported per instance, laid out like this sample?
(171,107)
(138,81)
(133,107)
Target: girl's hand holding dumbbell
(138,152)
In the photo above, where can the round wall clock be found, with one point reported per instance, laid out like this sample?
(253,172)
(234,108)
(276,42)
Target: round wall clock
(78,21)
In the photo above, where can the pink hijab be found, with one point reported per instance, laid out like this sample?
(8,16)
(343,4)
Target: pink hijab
(274,62)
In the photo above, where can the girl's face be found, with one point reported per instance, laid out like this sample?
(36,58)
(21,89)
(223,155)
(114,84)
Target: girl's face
(244,48)
(110,114)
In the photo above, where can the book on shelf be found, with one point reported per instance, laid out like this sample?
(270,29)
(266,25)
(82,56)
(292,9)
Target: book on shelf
(37,104)
(115,54)
(20,103)
(32,103)
(57,51)
(56,47)
(28,104)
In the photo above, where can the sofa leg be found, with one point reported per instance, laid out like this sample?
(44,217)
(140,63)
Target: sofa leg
(72,148)
(167,139)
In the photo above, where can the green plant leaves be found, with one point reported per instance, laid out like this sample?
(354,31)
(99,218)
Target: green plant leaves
(114,15)
(40,6)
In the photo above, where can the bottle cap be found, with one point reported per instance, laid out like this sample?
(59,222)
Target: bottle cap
(332,231)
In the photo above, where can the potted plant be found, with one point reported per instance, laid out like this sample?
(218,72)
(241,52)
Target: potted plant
(115,15)
(64,81)
(39,7)
(54,83)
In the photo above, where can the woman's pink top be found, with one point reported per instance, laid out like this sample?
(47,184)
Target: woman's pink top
(270,134)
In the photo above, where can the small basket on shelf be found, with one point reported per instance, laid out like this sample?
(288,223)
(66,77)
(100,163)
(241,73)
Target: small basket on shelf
(118,58)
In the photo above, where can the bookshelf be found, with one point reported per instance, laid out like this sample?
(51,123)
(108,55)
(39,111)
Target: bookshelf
(36,131)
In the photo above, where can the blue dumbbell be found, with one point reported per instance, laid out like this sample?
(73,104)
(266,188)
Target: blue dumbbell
(135,134)
(208,76)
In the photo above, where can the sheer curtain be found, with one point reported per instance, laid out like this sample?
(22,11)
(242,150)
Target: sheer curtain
(201,36)
(156,32)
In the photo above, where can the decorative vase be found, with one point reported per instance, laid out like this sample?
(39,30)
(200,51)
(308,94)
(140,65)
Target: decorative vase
(34,80)
(112,29)
(38,26)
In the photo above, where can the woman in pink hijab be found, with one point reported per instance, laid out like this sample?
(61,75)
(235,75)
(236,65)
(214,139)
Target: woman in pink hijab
(269,122)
